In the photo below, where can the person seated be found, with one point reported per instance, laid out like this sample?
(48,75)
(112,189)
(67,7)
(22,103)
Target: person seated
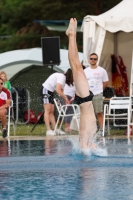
(6,83)
(5,100)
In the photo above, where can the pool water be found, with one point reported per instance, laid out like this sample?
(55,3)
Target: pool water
(53,170)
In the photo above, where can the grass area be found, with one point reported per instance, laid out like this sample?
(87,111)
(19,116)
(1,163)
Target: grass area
(40,130)
(117,131)
(25,130)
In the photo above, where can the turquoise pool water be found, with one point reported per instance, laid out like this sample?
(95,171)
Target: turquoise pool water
(52,170)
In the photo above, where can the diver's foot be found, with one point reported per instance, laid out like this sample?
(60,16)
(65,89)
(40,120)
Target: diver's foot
(72,28)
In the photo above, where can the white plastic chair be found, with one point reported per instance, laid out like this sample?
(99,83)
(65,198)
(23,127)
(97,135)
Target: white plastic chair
(62,112)
(9,118)
(117,103)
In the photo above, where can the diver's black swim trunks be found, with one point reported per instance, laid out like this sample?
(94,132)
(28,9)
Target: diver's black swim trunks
(78,100)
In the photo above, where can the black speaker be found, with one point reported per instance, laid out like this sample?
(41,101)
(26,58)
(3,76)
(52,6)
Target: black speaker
(51,50)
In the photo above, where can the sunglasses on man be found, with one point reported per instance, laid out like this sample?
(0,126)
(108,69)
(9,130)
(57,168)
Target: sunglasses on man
(93,58)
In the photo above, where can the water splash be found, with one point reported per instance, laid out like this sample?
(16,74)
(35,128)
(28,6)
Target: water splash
(76,149)
(99,151)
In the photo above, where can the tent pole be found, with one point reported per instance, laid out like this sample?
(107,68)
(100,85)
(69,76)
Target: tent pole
(100,42)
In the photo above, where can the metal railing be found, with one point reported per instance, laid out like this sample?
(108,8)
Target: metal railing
(17,109)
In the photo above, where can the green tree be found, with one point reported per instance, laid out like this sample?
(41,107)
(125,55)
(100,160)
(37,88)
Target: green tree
(17,16)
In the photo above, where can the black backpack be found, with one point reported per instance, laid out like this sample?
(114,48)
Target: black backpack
(108,92)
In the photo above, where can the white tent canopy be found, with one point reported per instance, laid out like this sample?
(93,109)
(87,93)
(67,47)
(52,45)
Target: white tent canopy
(13,62)
(118,18)
(110,33)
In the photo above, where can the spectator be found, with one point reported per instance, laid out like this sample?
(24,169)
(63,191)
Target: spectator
(55,82)
(7,84)
(5,100)
(98,80)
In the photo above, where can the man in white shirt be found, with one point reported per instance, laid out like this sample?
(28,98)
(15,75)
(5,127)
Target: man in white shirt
(98,79)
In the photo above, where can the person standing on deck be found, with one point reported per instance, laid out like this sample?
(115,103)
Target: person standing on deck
(98,80)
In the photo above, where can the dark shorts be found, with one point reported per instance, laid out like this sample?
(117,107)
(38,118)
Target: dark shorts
(79,100)
(47,96)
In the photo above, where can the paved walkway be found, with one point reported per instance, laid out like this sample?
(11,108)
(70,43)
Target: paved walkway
(55,137)
(38,137)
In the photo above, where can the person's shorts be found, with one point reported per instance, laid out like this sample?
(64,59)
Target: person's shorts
(98,103)
(47,96)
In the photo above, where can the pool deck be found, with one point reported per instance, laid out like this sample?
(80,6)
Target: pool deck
(56,137)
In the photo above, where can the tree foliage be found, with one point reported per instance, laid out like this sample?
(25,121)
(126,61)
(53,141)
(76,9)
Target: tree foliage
(17,14)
